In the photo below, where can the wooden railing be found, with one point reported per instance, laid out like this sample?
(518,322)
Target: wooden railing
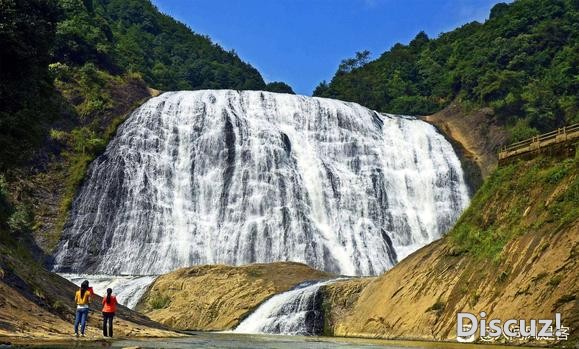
(562,134)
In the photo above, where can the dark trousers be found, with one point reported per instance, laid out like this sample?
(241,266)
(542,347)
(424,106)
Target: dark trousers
(108,319)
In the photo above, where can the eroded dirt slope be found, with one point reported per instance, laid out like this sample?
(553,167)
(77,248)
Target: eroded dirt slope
(476,137)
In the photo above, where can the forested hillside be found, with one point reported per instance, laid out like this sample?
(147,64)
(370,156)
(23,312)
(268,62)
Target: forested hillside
(70,72)
(27,30)
(523,62)
(81,37)
(132,35)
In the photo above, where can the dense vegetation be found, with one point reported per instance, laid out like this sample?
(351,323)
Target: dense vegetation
(546,199)
(27,30)
(133,36)
(523,62)
(279,87)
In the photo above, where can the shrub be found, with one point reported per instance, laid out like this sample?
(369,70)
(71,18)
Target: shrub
(557,173)
(159,301)
(438,306)
(22,219)
(521,131)
(555,281)
(503,276)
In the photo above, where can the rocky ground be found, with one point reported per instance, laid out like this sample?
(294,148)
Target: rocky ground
(417,302)
(218,297)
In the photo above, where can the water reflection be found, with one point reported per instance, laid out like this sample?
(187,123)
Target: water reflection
(242,341)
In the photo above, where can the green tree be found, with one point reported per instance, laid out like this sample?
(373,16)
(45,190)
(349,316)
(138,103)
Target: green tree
(280,87)
(349,64)
(322,90)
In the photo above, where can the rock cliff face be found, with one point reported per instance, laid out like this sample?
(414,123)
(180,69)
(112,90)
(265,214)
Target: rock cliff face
(476,137)
(339,298)
(513,254)
(218,297)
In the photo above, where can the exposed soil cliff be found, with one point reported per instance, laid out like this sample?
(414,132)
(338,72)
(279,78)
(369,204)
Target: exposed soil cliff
(475,136)
(339,298)
(218,297)
(513,254)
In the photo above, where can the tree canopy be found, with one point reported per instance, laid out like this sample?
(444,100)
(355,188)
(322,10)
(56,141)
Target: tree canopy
(523,62)
(280,87)
(132,35)
(27,30)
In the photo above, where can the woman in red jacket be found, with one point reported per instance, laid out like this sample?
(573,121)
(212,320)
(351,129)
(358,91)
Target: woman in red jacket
(109,309)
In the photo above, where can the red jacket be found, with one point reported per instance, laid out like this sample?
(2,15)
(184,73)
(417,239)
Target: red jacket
(110,307)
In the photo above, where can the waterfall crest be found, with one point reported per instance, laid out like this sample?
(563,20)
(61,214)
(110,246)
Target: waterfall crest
(206,177)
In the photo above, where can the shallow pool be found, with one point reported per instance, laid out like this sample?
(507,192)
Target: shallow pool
(207,340)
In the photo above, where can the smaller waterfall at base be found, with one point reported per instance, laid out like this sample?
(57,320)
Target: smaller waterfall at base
(128,289)
(295,312)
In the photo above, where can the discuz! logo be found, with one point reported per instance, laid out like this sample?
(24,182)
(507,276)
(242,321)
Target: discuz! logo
(468,326)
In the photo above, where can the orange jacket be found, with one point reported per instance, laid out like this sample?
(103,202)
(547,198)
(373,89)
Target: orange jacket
(110,307)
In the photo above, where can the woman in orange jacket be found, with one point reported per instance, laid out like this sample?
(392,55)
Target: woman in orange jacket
(109,310)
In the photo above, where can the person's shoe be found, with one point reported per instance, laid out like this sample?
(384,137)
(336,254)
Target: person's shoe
(82,335)
(76,334)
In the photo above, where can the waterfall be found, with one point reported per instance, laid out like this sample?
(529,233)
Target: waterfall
(295,312)
(206,177)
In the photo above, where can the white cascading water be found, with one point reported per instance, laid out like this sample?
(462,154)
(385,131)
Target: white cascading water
(295,312)
(207,177)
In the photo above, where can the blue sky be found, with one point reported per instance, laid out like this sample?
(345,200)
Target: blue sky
(302,42)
